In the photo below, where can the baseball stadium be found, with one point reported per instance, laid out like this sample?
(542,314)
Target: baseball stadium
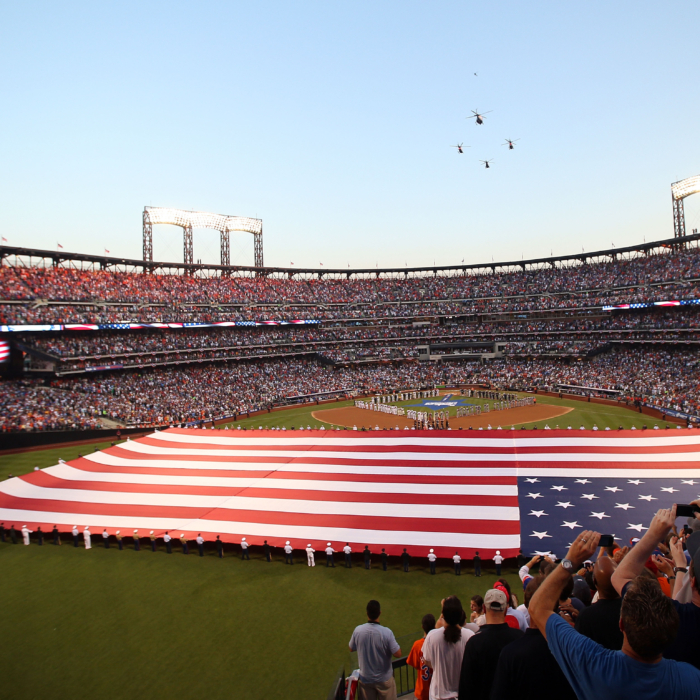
(455,457)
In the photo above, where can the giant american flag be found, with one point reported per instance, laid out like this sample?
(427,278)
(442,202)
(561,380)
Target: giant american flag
(447,490)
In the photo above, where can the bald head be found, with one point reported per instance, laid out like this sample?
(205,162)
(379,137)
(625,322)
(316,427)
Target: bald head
(603,570)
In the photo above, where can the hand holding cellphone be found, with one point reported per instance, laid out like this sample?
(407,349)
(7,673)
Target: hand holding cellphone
(606,541)
(686,510)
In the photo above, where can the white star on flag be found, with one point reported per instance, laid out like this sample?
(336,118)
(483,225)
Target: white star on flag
(634,481)
(589,496)
(690,482)
(638,528)
(570,525)
(537,513)
(648,498)
(534,495)
(614,489)
(565,504)
(582,481)
(559,488)
(600,516)
(540,535)
(532,481)
(669,489)
(624,506)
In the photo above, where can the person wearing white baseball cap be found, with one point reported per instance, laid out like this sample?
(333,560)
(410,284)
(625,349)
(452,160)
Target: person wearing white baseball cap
(87,537)
(288,557)
(244,549)
(310,555)
(329,556)
(432,559)
(479,663)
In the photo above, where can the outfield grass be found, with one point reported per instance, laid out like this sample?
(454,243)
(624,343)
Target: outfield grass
(109,624)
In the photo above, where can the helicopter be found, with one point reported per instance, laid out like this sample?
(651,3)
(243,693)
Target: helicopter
(486,162)
(510,144)
(479,117)
(459,147)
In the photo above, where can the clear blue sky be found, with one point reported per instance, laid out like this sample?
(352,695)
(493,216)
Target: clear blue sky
(332,122)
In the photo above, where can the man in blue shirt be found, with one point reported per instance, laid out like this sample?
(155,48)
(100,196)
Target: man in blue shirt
(648,622)
(375,645)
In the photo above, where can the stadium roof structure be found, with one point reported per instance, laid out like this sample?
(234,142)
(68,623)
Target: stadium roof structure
(20,256)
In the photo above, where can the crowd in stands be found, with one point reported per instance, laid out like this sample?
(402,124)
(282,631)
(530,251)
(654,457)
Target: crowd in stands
(622,624)
(645,278)
(193,392)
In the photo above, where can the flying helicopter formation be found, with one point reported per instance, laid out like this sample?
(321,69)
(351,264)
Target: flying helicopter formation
(479,120)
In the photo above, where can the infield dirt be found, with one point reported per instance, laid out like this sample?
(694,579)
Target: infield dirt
(351,416)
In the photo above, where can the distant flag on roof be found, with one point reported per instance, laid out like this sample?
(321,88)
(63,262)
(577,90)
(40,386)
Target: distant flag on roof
(321,264)
(106,251)
(59,245)
(4,240)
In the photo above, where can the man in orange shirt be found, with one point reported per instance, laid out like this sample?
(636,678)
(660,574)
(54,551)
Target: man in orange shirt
(415,659)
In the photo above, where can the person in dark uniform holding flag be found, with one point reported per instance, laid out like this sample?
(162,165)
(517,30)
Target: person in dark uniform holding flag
(137,541)
(368,557)
(39,536)
(406,560)
(219,547)
(183,541)
(266,551)
(56,535)
(329,555)
(348,559)
(477,564)
(118,535)
(2,532)
(13,534)
(384,559)
(168,542)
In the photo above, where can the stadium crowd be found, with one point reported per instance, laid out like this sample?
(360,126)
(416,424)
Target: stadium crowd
(658,376)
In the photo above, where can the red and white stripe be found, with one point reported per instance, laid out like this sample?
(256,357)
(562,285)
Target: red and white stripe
(4,351)
(444,490)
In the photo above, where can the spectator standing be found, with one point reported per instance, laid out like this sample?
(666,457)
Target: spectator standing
(513,677)
(25,534)
(310,561)
(168,542)
(244,549)
(288,557)
(368,556)
(200,544)
(416,659)
(329,556)
(601,621)
(444,648)
(648,621)
(87,537)
(498,560)
(432,558)
(482,652)
(375,645)
(348,559)
(406,560)
(477,564)
(458,564)
(220,547)
(684,646)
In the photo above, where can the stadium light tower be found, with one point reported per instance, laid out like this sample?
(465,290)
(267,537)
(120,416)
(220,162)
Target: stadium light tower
(189,220)
(679,191)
